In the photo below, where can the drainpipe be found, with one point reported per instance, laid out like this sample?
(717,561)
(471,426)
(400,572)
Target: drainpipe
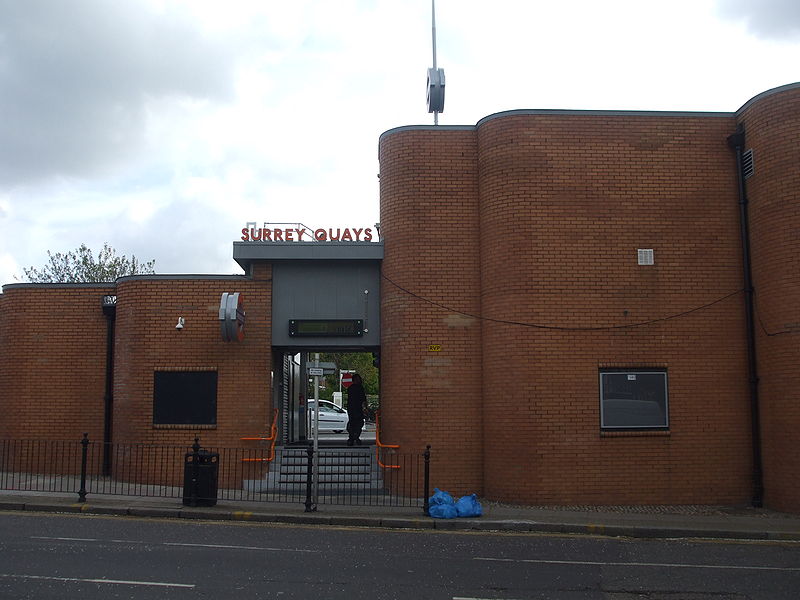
(736,141)
(110,311)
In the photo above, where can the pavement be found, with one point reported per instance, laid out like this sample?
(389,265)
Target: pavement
(724,522)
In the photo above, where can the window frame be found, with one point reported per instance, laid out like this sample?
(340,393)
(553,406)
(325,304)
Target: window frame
(634,371)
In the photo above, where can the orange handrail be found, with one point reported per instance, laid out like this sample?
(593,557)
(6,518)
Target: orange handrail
(271,438)
(379,445)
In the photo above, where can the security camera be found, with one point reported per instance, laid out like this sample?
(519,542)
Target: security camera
(179,326)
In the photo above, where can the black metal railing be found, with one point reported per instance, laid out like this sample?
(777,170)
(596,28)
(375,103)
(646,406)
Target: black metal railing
(355,476)
(204,475)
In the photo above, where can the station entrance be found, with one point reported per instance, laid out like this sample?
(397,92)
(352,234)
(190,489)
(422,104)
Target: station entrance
(294,397)
(319,452)
(325,299)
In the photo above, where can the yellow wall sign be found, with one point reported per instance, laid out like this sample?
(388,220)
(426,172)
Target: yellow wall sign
(434,347)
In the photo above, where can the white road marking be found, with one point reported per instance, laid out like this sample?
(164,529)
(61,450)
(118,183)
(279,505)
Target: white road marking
(637,564)
(187,545)
(239,547)
(470,598)
(64,539)
(113,581)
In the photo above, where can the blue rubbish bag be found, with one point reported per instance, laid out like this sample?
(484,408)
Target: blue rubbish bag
(468,506)
(440,497)
(441,505)
(443,511)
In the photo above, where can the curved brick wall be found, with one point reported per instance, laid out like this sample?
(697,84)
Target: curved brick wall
(566,200)
(429,222)
(146,341)
(53,364)
(772,130)
(52,361)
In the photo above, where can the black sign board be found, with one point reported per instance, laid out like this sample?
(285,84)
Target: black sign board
(185,397)
(326,328)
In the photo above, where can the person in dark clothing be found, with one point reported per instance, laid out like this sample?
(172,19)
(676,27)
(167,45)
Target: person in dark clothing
(356,406)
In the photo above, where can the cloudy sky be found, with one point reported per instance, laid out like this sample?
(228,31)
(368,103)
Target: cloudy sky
(163,126)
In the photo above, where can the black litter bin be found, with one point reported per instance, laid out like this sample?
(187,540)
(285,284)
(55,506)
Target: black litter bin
(200,471)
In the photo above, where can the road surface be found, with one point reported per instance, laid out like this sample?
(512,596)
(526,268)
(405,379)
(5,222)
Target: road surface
(49,556)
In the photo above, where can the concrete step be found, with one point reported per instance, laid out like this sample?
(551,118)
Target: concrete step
(349,464)
(340,469)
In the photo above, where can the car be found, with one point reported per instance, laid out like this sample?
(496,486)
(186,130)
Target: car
(331,417)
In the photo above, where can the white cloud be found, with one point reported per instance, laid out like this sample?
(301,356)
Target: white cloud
(77,77)
(769,19)
(162,126)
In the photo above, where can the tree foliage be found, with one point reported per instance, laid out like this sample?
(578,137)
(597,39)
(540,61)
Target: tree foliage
(360,362)
(80,266)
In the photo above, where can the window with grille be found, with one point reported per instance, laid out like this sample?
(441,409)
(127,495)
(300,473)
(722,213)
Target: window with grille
(634,399)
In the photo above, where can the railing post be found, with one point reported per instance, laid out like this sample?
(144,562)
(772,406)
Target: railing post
(427,478)
(310,507)
(195,471)
(84,460)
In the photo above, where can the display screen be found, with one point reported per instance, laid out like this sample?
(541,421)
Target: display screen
(326,327)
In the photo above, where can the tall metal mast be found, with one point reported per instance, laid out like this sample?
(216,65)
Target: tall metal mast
(433,30)
(435,76)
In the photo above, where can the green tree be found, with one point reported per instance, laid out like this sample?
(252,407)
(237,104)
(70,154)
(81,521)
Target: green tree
(361,362)
(80,266)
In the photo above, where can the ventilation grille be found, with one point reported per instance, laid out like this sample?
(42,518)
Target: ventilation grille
(747,163)
(645,256)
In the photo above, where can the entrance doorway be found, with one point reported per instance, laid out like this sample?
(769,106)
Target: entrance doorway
(294,393)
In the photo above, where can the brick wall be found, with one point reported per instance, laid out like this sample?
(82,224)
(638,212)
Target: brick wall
(772,130)
(147,341)
(563,203)
(429,222)
(566,201)
(53,351)
(52,361)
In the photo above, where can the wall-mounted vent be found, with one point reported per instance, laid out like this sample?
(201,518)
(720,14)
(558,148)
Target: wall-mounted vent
(645,256)
(747,163)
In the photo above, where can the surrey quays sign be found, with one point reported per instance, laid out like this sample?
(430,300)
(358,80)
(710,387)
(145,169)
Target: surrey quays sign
(278,232)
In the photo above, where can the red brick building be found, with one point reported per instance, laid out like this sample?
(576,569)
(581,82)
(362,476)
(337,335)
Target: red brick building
(560,300)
